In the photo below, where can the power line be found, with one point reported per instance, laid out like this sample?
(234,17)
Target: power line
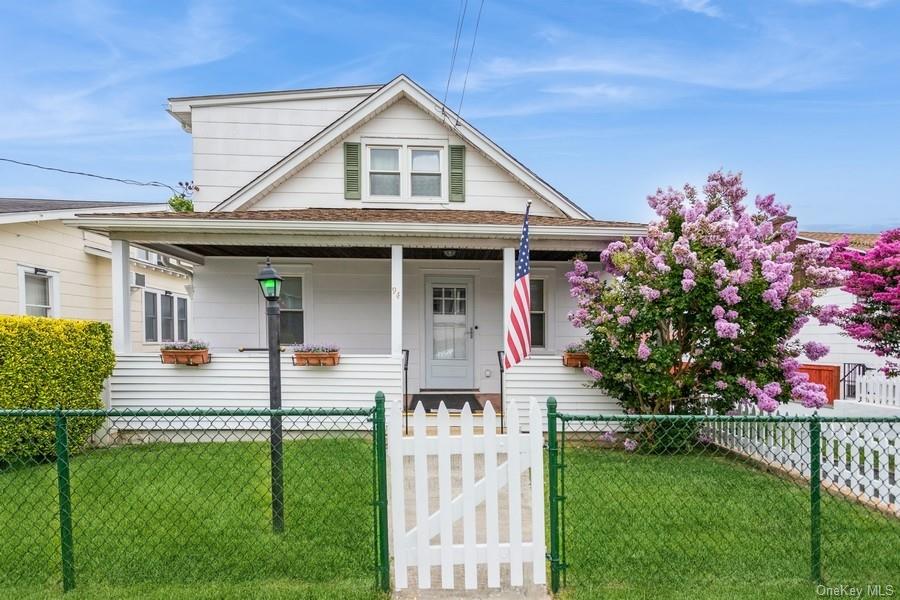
(463,5)
(469,64)
(95,176)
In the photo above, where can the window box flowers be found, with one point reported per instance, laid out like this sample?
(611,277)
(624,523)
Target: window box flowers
(191,353)
(575,355)
(316,355)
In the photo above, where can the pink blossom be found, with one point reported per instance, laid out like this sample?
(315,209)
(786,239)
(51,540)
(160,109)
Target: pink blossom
(718,312)
(716,365)
(721,385)
(730,295)
(643,351)
(724,329)
(649,293)
(630,444)
(766,403)
(624,320)
(815,350)
(592,372)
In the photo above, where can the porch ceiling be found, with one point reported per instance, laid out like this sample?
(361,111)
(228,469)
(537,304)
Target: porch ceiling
(360,252)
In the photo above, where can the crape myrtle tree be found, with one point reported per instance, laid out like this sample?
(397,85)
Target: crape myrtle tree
(874,320)
(702,310)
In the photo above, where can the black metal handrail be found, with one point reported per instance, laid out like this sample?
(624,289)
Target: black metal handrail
(500,355)
(405,354)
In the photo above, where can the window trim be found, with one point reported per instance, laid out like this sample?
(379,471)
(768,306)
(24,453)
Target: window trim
(52,282)
(406,146)
(289,269)
(175,296)
(548,275)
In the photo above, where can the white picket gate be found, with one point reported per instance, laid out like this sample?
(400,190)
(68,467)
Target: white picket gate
(460,445)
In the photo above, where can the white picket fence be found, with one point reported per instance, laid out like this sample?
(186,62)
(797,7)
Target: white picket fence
(875,388)
(460,452)
(857,459)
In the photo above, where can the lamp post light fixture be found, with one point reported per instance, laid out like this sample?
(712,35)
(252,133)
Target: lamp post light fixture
(270,286)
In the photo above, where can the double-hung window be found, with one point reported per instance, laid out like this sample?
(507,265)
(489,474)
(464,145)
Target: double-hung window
(425,172)
(538,314)
(409,170)
(165,317)
(38,292)
(384,171)
(291,302)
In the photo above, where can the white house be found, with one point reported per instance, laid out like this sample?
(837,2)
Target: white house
(845,355)
(50,270)
(395,224)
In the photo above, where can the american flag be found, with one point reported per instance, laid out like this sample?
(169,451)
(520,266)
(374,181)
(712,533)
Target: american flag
(518,330)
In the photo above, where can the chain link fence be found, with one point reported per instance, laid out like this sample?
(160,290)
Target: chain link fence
(193,498)
(727,506)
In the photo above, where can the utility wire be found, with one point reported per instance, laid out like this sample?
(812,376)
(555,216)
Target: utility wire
(463,5)
(469,64)
(95,176)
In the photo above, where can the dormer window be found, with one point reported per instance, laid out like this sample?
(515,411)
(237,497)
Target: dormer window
(397,170)
(384,171)
(425,172)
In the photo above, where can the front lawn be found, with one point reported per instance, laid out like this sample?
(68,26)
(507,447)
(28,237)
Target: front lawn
(704,526)
(194,521)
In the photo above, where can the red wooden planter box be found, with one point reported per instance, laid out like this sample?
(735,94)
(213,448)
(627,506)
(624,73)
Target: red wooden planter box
(317,359)
(577,360)
(190,358)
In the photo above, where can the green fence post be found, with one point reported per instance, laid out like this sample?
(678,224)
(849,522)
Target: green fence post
(384,575)
(553,473)
(65,503)
(815,498)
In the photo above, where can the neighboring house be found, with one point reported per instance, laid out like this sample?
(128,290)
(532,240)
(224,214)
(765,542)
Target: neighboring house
(845,353)
(50,270)
(395,224)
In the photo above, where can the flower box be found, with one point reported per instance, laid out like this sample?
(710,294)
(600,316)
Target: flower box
(316,355)
(192,358)
(577,360)
(317,359)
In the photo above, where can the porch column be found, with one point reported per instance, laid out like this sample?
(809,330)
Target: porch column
(121,295)
(509,276)
(396,301)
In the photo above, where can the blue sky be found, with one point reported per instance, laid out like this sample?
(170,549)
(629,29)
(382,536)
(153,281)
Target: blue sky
(607,100)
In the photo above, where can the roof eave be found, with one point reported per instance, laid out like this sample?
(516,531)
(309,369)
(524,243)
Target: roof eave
(148,225)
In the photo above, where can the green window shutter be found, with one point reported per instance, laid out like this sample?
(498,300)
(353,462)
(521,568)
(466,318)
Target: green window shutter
(352,168)
(457,173)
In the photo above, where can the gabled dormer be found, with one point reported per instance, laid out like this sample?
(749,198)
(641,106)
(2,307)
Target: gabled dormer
(390,146)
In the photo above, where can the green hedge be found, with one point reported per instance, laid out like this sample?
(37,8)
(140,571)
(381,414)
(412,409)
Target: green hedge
(49,363)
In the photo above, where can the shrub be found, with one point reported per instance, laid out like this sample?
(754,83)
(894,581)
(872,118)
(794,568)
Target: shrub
(45,364)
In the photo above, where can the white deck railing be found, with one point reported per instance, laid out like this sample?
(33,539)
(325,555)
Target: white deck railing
(875,388)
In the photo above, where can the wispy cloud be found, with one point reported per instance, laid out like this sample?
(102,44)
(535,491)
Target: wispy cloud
(701,7)
(100,86)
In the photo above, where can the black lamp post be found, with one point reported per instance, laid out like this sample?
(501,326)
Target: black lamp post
(270,286)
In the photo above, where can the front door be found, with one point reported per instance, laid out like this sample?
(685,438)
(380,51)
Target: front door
(449,333)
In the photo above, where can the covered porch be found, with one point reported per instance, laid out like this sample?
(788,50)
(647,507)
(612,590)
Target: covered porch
(413,313)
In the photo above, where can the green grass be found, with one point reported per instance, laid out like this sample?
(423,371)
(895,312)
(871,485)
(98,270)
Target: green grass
(194,521)
(703,526)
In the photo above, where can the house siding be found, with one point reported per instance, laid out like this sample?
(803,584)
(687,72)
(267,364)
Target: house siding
(843,349)
(85,279)
(348,303)
(233,146)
